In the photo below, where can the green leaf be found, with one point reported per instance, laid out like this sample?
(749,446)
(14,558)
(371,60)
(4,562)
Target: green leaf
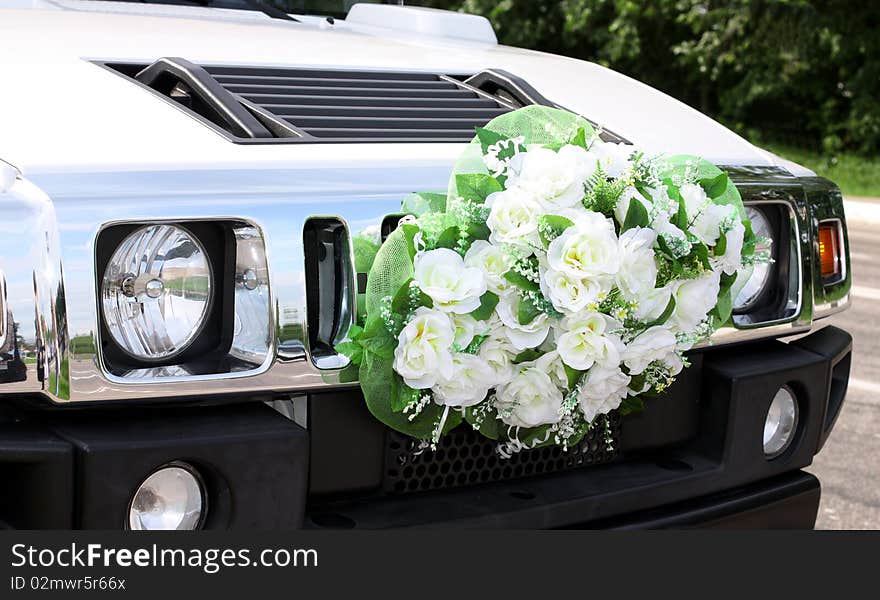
(490,427)
(552,226)
(409,233)
(700,250)
(376,338)
(636,215)
(630,405)
(401,302)
(580,138)
(572,375)
(665,249)
(681,218)
(531,436)
(750,240)
(488,137)
(521,281)
(527,311)
(402,395)
(352,349)
(476,186)
(527,355)
(478,231)
(488,302)
(721,245)
(715,186)
(449,238)
(724,306)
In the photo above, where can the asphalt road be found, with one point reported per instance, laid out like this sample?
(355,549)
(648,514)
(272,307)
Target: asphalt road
(849,464)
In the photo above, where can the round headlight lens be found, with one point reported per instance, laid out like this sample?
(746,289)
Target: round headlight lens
(172,498)
(156,291)
(754,277)
(780,423)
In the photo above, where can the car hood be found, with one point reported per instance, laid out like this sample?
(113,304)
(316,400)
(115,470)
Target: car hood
(61,112)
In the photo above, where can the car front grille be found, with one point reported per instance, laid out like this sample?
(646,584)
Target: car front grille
(464,457)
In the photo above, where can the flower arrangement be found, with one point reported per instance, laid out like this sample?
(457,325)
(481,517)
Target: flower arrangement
(560,278)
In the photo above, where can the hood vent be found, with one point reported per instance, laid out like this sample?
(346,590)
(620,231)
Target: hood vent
(274,105)
(281,105)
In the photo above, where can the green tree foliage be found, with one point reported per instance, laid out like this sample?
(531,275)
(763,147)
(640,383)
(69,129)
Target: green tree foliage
(805,72)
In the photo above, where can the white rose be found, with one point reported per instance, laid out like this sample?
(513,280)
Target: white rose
(695,200)
(704,216)
(551,363)
(731,260)
(638,266)
(557,179)
(493,262)
(603,391)
(651,304)
(694,298)
(615,159)
(529,399)
(653,344)
(570,295)
(471,379)
(521,336)
(587,249)
(513,218)
(465,328)
(424,349)
(498,353)
(442,275)
(588,340)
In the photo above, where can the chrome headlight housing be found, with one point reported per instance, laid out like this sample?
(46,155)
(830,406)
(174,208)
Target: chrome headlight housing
(770,291)
(752,280)
(183,299)
(157,291)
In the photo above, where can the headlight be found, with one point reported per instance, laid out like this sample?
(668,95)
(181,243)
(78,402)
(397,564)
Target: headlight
(172,498)
(780,423)
(156,291)
(754,278)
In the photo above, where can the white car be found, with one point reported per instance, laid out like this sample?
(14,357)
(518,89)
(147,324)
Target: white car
(234,149)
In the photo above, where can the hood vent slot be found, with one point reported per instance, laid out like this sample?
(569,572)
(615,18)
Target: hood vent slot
(364,105)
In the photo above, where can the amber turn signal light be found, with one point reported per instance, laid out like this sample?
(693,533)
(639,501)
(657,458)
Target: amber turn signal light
(829,250)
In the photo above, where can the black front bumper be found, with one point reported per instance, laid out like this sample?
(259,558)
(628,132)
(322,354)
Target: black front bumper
(689,460)
(786,502)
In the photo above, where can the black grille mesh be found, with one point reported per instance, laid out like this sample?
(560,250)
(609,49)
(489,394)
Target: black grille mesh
(464,457)
(363,105)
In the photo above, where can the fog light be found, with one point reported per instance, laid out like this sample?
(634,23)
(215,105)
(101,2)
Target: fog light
(171,498)
(156,292)
(781,423)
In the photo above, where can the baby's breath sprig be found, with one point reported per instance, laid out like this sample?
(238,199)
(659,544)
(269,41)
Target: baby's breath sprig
(607,434)
(658,377)
(393,322)
(414,409)
(542,304)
